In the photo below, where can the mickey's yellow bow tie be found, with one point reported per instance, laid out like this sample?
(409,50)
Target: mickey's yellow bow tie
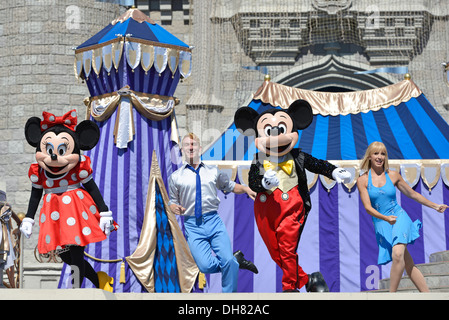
(287,166)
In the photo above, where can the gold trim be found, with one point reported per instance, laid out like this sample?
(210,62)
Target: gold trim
(99,45)
(173,53)
(131,39)
(159,44)
(431,184)
(153,107)
(149,50)
(394,165)
(134,14)
(340,103)
(351,184)
(97,54)
(117,46)
(113,99)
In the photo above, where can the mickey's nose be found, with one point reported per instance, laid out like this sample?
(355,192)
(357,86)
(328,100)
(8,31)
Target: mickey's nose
(275,131)
(54,156)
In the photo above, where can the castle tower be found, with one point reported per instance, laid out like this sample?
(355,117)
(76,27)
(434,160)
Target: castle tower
(36,63)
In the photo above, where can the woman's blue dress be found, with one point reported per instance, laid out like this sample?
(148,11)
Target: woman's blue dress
(405,230)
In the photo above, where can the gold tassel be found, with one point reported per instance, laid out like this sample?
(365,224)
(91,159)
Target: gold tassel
(122,273)
(201,280)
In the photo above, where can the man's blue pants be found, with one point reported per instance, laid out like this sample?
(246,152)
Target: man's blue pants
(206,234)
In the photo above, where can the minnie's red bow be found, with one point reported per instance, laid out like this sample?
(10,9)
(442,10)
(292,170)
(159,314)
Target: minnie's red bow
(69,120)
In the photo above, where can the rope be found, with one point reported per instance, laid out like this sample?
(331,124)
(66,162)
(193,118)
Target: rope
(102,260)
(122,267)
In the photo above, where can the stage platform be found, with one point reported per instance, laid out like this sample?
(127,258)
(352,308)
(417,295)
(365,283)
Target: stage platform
(95,294)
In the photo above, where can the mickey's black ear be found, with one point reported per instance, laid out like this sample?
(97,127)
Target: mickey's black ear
(245,120)
(88,134)
(301,113)
(33,131)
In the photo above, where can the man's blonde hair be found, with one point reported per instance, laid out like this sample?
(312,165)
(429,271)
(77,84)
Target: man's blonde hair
(192,136)
(376,146)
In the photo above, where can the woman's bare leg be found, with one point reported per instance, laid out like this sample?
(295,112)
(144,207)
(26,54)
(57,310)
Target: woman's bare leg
(414,273)
(397,267)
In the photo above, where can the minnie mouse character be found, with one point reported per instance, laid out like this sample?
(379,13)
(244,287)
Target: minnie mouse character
(72,216)
(278,176)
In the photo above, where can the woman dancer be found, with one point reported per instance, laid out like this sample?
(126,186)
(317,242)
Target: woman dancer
(394,228)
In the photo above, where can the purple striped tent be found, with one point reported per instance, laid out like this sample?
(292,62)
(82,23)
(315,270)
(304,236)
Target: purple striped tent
(338,238)
(132,68)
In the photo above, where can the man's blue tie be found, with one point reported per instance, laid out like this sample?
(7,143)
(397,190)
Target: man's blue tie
(198,191)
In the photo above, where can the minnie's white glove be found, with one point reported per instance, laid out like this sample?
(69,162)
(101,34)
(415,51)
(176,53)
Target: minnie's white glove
(106,222)
(26,227)
(270,179)
(341,175)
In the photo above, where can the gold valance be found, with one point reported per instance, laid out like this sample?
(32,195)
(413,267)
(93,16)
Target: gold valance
(153,107)
(339,103)
(429,171)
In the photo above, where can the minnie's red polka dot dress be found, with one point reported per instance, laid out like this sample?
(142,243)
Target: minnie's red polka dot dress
(69,215)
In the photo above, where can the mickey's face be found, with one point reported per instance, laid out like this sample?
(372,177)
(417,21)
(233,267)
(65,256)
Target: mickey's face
(275,134)
(56,154)
(276,130)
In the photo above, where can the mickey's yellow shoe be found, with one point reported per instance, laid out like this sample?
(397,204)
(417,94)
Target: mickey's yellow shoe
(106,282)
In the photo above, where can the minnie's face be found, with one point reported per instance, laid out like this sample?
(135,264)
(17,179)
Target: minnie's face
(56,153)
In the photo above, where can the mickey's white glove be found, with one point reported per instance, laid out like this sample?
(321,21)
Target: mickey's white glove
(341,175)
(106,222)
(270,179)
(26,227)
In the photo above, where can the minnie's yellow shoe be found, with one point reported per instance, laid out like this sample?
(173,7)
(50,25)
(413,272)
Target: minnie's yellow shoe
(106,282)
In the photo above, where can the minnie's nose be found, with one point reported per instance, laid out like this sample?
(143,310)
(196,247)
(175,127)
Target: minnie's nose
(54,156)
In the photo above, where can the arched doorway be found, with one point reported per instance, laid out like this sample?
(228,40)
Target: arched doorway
(334,74)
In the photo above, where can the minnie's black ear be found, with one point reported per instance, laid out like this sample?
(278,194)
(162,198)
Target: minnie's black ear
(88,134)
(33,131)
(245,120)
(301,113)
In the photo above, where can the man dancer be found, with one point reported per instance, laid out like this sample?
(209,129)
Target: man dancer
(193,193)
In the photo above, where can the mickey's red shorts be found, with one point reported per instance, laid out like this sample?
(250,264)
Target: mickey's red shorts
(279,217)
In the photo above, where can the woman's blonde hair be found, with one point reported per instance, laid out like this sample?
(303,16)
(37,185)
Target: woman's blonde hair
(374,147)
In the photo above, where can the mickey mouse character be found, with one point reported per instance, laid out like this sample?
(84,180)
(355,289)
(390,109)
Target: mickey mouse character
(71,216)
(278,176)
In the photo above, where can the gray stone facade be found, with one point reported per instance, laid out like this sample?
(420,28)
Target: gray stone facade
(36,74)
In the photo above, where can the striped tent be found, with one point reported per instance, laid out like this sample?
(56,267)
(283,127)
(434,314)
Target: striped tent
(132,68)
(344,124)
(339,238)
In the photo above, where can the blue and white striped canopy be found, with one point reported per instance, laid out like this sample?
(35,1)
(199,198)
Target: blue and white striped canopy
(136,25)
(399,115)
